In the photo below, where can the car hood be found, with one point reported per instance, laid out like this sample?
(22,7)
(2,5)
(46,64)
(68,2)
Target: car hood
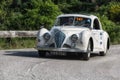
(70,30)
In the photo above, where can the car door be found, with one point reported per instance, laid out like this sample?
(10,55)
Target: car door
(97,34)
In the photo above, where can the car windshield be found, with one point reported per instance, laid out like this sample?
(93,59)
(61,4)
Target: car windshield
(73,21)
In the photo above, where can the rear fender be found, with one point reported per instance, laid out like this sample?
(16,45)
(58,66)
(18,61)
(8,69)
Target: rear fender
(106,41)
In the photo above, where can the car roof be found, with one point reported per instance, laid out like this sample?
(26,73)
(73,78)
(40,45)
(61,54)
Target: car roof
(79,15)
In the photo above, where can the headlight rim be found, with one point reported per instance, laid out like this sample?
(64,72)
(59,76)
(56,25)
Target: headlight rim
(47,36)
(74,38)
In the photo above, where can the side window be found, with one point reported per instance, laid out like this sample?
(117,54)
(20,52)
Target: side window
(96,24)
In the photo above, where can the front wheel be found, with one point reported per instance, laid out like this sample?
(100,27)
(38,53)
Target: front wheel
(86,55)
(41,53)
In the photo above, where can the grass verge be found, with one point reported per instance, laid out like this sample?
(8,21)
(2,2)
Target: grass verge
(17,43)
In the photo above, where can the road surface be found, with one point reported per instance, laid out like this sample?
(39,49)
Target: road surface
(24,64)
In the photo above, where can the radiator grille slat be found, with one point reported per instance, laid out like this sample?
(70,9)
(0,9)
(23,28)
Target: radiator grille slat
(59,38)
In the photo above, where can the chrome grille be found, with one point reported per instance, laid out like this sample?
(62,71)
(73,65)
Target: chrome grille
(59,38)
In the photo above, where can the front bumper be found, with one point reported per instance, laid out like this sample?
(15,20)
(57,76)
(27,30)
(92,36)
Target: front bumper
(60,49)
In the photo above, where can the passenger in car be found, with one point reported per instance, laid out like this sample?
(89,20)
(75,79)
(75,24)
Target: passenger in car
(87,23)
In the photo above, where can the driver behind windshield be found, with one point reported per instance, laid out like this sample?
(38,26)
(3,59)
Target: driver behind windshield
(84,22)
(70,22)
(73,21)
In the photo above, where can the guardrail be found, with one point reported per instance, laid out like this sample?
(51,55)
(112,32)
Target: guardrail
(12,34)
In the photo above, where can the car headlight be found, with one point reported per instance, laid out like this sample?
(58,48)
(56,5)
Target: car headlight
(46,36)
(74,38)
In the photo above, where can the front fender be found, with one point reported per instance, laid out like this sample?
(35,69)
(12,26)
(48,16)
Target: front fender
(41,32)
(85,37)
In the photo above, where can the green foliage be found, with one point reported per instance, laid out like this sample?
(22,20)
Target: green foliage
(48,12)
(102,2)
(76,6)
(115,34)
(28,14)
(15,43)
(114,11)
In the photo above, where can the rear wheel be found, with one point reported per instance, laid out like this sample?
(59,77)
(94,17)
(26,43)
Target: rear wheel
(86,55)
(102,53)
(41,53)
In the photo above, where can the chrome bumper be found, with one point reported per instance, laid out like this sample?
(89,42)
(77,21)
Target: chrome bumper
(60,49)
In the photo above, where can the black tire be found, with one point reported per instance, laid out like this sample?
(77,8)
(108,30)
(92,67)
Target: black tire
(69,53)
(102,53)
(42,53)
(86,56)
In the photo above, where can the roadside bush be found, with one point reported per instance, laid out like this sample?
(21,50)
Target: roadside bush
(27,15)
(14,43)
(77,7)
(112,11)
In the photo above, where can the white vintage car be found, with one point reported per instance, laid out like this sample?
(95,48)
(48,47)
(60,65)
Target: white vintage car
(74,33)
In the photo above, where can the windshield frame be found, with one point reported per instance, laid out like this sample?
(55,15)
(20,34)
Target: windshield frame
(73,22)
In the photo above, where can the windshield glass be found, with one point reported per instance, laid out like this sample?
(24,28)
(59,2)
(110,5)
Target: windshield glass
(73,21)
(64,21)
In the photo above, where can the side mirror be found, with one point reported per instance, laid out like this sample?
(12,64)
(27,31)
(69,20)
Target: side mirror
(90,28)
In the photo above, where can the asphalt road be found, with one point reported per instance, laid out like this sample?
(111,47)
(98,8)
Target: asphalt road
(24,64)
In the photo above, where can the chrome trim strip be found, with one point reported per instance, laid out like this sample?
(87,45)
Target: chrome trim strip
(60,49)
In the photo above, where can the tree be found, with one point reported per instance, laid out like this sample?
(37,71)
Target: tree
(114,11)
(40,13)
(27,14)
